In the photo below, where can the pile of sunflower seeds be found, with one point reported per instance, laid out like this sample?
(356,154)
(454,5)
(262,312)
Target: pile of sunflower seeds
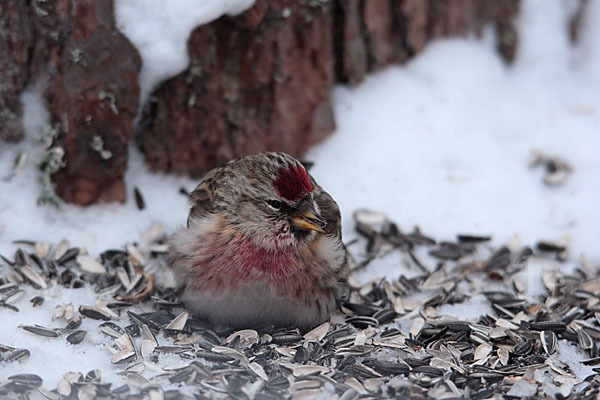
(391,339)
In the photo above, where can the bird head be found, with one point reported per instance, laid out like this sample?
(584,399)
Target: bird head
(276,207)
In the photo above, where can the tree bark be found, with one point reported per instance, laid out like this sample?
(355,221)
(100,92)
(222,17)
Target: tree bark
(258,81)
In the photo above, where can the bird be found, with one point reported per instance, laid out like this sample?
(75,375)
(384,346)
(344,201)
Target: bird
(262,246)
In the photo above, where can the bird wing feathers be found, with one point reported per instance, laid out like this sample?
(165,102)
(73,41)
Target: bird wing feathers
(328,209)
(202,197)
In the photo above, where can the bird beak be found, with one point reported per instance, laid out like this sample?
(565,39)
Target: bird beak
(309,221)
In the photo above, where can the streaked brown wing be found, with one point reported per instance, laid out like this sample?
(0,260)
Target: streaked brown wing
(328,209)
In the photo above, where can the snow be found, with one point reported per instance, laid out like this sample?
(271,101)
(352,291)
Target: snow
(35,116)
(160,31)
(51,358)
(569,354)
(469,309)
(96,227)
(441,142)
(523,389)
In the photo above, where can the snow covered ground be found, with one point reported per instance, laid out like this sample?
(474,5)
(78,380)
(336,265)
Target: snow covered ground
(442,142)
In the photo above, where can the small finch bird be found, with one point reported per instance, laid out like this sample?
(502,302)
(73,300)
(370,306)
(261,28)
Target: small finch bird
(263,245)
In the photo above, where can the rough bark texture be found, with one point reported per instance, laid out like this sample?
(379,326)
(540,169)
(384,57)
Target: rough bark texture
(91,87)
(413,15)
(262,80)
(449,18)
(258,81)
(501,13)
(350,43)
(93,94)
(15,42)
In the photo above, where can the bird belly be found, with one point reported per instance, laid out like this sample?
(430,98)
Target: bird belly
(257,303)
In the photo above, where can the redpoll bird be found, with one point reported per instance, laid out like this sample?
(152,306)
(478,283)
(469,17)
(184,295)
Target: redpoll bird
(262,245)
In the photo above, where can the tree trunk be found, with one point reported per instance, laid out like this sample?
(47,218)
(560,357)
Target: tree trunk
(258,81)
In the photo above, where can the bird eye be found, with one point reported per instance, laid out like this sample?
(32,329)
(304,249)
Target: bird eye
(275,204)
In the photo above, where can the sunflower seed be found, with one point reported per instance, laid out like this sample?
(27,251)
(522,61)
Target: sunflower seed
(349,394)
(416,326)
(147,347)
(258,370)
(133,329)
(523,348)
(390,368)
(210,356)
(247,337)
(93,313)
(73,324)
(178,322)
(111,329)
(305,370)
(318,333)
(139,200)
(172,349)
(503,355)
(123,356)
(446,253)
(286,338)
(550,247)
(69,312)
(135,255)
(123,277)
(385,315)
(40,330)
(16,355)
(365,372)
(59,311)
(482,351)
(33,277)
(362,322)
(135,379)
(27,379)
(473,238)
(60,249)
(584,340)
(140,321)
(48,394)
(548,326)
(76,337)
(89,264)
(37,301)
(68,255)
(548,340)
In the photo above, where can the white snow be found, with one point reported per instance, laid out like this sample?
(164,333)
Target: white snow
(96,227)
(523,388)
(51,358)
(472,308)
(444,141)
(570,355)
(35,116)
(441,142)
(160,29)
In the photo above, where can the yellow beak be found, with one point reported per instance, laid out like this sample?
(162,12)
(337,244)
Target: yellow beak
(309,221)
